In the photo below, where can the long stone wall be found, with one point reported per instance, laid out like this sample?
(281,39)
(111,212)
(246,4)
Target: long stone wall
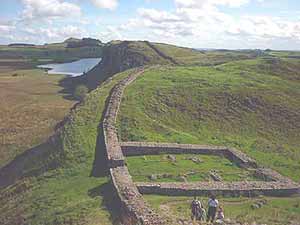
(134,210)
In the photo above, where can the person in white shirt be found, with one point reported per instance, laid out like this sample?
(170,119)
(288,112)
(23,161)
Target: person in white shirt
(213,204)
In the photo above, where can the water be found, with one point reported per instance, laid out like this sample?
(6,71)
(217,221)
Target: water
(73,69)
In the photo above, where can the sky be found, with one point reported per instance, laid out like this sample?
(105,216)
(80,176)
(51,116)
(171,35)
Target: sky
(230,24)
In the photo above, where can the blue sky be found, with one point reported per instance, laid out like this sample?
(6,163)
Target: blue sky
(232,24)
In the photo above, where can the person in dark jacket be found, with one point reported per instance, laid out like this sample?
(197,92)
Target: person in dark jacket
(213,204)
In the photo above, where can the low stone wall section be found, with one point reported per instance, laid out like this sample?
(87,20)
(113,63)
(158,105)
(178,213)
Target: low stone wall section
(248,189)
(143,148)
(273,184)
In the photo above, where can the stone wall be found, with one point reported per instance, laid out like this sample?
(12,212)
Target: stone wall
(142,148)
(246,188)
(273,184)
(134,210)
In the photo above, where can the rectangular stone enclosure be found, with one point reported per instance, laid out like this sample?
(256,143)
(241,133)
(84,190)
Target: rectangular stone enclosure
(268,182)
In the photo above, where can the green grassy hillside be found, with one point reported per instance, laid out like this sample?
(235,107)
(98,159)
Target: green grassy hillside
(253,105)
(121,55)
(188,56)
(74,192)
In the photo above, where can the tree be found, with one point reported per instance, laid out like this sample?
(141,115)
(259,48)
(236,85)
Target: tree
(80,92)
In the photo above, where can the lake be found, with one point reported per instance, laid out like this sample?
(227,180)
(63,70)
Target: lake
(73,69)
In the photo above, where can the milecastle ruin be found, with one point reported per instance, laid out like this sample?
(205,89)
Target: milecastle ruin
(134,208)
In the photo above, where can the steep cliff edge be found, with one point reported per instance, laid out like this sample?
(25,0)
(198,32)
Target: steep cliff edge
(120,56)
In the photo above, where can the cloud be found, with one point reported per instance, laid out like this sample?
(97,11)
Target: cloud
(203,3)
(203,23)
(49,9)
(5,29)
(106,4)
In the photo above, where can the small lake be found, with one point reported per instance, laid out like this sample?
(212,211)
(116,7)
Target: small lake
(73,69)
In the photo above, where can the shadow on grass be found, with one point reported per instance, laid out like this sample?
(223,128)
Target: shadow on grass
(32,162)
(100,167)
(109,202)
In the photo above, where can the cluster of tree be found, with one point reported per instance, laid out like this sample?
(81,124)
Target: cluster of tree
(80,92)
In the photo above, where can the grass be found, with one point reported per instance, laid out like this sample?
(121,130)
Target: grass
(251,105)
(31,107)
(69,194)
(141,168)
(276,211)
(187,56)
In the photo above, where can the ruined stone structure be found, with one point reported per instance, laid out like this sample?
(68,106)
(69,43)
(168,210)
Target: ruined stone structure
(134,209)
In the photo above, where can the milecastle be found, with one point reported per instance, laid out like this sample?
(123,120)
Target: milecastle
(135,209)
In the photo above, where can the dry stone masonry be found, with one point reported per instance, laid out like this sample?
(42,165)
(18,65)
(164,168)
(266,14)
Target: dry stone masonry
(134,209)
(274,183)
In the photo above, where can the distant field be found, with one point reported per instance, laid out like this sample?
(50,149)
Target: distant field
(55,53)
(165,170)
(253,105)
(31,107)
(276,211)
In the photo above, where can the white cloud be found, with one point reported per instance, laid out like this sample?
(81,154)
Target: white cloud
(4,29)
(106,4)
(49,9)
(199,23)
(203,3)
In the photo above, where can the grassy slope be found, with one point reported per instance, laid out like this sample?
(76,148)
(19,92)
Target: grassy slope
(68,195)
(31,106)
(252,105)
(187,56)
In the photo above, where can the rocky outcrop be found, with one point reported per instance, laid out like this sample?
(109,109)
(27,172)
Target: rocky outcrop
(118,57)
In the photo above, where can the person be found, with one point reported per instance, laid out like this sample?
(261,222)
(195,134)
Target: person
(220,215)
(213,204)
(202,214)
(196,206)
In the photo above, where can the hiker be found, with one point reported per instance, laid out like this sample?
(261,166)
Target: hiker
(196,209)
(220,215)
(202,213)
(213,204)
